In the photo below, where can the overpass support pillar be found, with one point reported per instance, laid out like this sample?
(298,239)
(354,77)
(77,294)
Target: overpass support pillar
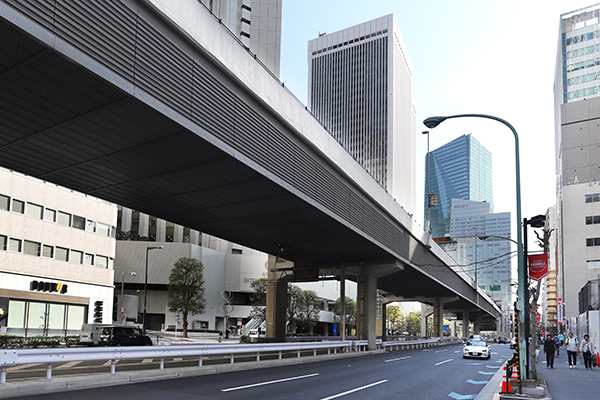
(466,322)
(438,318)
(276,305)
(476,330)
(384,322)
(366,306)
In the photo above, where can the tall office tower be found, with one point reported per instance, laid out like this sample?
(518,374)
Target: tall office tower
(577,140)
(360,89)
(488,262)
(257,23)
(461,169)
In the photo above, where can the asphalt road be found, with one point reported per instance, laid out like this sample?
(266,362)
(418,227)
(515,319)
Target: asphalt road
(434,373)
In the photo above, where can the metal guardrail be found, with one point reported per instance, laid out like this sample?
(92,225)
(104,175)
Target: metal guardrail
(48,356)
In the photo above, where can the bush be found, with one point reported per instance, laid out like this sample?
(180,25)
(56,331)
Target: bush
(243,339)
(32,342)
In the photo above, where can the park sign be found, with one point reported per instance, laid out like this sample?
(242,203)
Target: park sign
(538,266)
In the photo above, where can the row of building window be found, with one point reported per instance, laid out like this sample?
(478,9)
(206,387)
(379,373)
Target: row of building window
(592,198)
(595,219)
(582,65)
(351,41)
(575,94)
(583,78)
(37,249)
(60,217)
(591,242)
(582,38)
(582,52)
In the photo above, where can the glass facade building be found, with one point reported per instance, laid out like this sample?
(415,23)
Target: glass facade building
(360,90)
(461,169)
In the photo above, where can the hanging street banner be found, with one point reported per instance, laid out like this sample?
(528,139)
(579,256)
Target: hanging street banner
(538,266)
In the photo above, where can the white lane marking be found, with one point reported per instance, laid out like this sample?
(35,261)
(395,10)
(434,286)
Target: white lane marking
(477,382)
(472,363)
(458,351)
(486,373)
(462,396)
(441,351)
(354,390)
(397,359)
(147,360)
(268,383)
(492,366)
(443,362)
(69,364)
(23,366)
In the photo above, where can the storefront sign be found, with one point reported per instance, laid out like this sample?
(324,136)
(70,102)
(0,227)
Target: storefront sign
(41,286)
(538,266)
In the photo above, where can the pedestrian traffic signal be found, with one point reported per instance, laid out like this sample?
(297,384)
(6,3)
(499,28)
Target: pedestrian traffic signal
(98,312)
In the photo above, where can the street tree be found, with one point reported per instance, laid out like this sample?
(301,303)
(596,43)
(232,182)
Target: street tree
(350,312)
(258,299)
(396,318)
(294,305)
(413,323)
(186,289)
(310,309)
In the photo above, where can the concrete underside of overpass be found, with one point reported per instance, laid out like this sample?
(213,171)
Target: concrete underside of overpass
(110,100)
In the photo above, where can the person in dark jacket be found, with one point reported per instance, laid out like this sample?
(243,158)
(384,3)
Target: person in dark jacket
(549,349)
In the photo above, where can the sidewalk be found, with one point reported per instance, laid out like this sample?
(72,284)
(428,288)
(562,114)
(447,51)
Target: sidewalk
(569,384)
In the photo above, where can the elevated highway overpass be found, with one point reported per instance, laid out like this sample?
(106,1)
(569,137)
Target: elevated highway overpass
(153,105)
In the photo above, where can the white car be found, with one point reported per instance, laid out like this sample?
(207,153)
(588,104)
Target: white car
(477,349)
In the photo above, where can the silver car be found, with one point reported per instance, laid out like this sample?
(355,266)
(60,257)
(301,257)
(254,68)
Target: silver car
(477,349)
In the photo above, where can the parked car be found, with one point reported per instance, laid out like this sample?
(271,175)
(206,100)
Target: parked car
(477,349)
(113,335)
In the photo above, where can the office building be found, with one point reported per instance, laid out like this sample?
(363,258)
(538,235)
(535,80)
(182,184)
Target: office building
(257,23)
(360,89)
(57,249)
(461,169)
(577,141)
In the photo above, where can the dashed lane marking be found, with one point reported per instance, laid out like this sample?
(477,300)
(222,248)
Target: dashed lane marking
(462,396)
(268,382)
(397,359)
(444,362)
(477,382)
(486,373)
(354,390)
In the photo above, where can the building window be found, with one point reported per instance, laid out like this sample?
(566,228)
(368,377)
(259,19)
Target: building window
(18,206)
(32,248)
(590,242)
(592,198)
(63,218)
(90,226)
(101,262)
(62,254)
(14,245)
(3,242)
(50,215)
(4,202)
(48,251)
(593,264)
(103,229)
(34,211)
(200,324)
(76,257)
(88,259)
(595,219)
(78,222)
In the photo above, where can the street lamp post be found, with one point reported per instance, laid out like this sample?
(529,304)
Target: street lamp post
(146,284)
(431,123)
(123,284)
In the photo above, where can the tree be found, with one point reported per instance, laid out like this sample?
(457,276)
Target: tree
(413,323)
(258,299)
(544,243)
(133,236)
(310,308)
(350,312)
(294,304)
(396,318)
(186,289)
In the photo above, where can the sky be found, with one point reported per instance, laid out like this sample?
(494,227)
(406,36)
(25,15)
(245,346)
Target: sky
(468,56)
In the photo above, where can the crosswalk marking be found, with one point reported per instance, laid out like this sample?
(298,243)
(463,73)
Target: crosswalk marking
(69,364)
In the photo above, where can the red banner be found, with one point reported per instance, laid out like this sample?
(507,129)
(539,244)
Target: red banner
(538,266)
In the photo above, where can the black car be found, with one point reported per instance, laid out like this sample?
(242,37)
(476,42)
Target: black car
(124,336)
(502,340)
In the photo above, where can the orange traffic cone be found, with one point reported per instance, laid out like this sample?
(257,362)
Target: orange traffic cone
(503,390)
(598,359)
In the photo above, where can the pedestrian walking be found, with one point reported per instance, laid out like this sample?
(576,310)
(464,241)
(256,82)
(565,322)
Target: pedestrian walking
(572,346)
(561,341)
(549,349)
(587,349)
(557,345)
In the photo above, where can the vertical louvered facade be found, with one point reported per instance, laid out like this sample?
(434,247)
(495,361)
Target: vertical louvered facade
(360,89)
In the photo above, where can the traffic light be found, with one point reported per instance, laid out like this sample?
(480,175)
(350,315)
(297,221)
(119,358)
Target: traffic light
(98,312)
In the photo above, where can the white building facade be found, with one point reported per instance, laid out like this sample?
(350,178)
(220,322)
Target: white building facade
(57,250)
(577,141)
(360,89)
